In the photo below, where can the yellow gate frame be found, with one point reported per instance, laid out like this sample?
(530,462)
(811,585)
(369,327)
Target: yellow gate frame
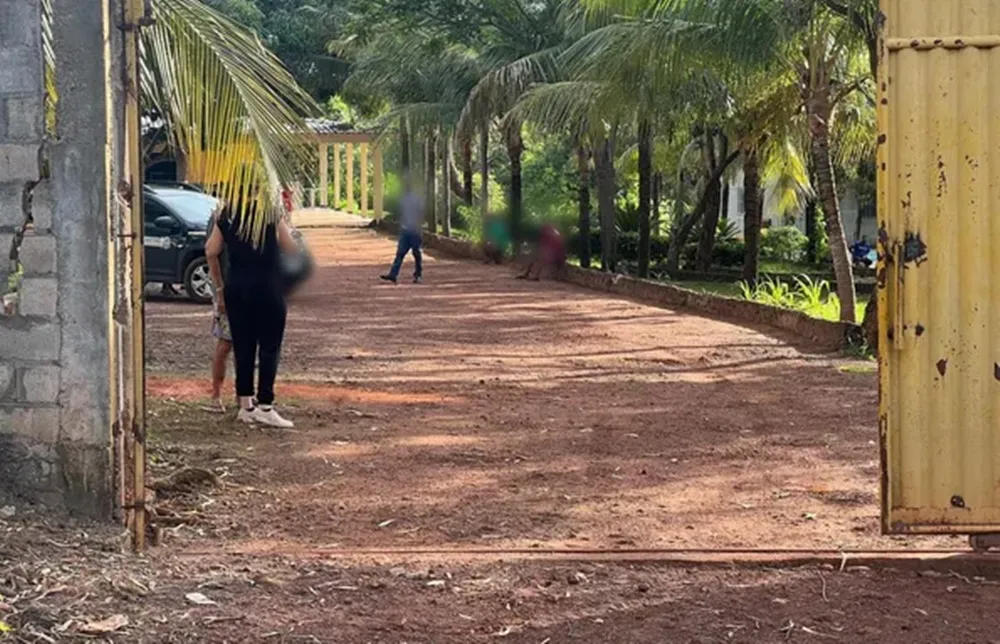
(939,266)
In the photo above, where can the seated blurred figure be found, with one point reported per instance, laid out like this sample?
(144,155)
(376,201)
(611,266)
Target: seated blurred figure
(549,254)
(496,240)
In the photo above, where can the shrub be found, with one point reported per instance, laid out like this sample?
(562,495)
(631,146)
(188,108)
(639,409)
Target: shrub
(727,232)
(783,244)
(729,253)
(628,247)
(627,217)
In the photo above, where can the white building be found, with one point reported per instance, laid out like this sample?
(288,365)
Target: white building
(854,217)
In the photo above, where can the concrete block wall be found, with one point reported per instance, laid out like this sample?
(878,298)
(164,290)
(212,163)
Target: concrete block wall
(55,443)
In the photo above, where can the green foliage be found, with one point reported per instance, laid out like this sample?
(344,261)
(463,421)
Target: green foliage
(548,174)
(299,32)
(468,219)
(14,277)
(245,12)
(783,244)
(729,253)
(771,292)
(728,232)
(628,247)
(812,293)
(812,297)
(627,216)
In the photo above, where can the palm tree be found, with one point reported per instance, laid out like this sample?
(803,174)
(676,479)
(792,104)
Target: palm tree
(644,95)
(523,40)
(581,108)
(807,40)
(231,107)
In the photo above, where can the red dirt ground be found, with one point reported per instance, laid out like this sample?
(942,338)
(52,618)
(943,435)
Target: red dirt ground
(477,410)
(480,412)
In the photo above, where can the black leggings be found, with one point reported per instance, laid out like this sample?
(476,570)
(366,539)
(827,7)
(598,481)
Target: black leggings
(257,322)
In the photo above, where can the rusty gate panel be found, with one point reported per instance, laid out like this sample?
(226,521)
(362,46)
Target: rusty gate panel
(939,269)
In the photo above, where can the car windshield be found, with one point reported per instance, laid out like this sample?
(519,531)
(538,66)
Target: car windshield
(195,208)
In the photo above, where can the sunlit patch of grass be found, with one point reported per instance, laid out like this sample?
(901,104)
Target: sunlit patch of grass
(859,368)
(812,297)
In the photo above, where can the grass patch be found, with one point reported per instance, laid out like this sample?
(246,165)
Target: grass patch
(805,294)
(859,368)
(725,289)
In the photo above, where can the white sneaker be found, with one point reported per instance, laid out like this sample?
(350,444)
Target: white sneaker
(269,416)
(247,416)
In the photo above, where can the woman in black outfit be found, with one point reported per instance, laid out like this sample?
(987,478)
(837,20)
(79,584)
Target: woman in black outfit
(254,299)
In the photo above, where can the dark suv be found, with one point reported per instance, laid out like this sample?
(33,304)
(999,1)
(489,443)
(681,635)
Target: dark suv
(177,219)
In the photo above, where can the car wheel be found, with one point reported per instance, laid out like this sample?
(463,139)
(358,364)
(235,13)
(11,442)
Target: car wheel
(198,281)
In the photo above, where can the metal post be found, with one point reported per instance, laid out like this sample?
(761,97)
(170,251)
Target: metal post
(135,17)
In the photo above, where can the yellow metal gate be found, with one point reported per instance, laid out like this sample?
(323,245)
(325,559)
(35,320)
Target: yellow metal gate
(939,273)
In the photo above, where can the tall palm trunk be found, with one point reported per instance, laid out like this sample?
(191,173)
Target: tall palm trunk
(812,232)
(710,226)
(870,323)
(404,146)
(583,197)
(484,171)
(446,177)
(645,193)
(753,216)
(819,118)
(430,154)
(515,150)
(467,171)
(604,162)
(713,207)
(657,201)
(684,225)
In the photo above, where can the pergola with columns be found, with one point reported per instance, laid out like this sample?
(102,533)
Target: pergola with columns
(344,145)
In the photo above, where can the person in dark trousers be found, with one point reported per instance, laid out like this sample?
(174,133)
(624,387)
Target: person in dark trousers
(254,301)
(411,222)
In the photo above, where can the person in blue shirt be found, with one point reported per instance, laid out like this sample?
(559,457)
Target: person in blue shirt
(861,252)
(411,222)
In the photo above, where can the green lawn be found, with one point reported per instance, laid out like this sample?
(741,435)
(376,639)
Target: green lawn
(828,310)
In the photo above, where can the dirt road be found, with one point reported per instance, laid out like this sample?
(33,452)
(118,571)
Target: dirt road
(479,412)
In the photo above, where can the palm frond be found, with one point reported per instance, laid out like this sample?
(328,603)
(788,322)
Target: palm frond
(786,179)
(49,54)
(558,106)
(232,107)
(500,88)
(854,131)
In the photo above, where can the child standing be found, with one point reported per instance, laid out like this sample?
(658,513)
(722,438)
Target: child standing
(220,331)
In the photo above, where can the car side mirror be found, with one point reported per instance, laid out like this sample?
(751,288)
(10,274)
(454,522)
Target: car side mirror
(167,223)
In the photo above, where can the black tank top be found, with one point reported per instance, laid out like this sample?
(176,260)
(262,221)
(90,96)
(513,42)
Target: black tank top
(248,264)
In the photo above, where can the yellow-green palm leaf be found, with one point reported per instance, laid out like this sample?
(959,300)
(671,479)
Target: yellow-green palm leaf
(232,108)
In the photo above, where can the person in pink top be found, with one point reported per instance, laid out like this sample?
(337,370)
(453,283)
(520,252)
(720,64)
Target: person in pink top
(551,254)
